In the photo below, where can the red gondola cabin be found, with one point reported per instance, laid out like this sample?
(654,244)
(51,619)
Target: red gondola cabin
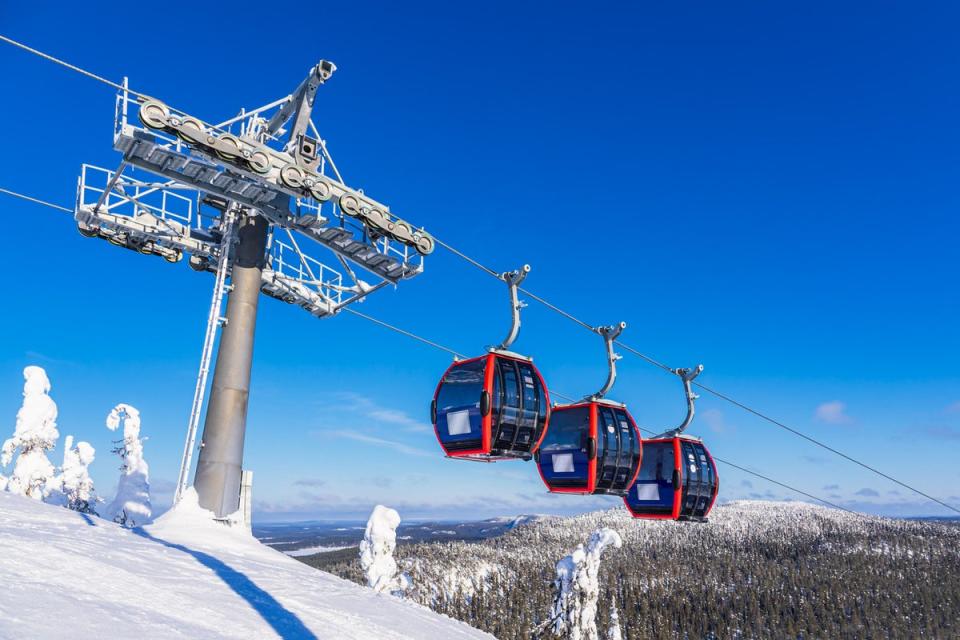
(593,447)
(677,481)
(490,408)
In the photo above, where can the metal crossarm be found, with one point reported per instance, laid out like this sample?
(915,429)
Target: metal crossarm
(252,202)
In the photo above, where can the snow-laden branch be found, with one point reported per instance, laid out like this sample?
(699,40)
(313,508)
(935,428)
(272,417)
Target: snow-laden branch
(574,612)
(376,552)
(131,506)
(34,435)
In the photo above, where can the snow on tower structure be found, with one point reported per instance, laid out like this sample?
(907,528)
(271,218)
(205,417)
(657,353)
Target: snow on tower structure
(574,612)
(376,552)
(34,435)
(131,506)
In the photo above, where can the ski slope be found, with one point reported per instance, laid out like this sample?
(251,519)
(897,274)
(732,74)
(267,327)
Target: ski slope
(67,575)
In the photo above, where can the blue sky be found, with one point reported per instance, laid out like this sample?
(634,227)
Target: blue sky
(767,189)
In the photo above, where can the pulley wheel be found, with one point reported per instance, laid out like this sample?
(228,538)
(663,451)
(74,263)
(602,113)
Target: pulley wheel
(425,245)
(320,191)
(350,205)
(174,257)
(292,176)
(153,114)
(259,162)
(403,232)
(191,130)
(228,147)
(377,219)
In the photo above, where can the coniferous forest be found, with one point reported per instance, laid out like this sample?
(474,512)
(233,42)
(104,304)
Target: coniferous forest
(756,570)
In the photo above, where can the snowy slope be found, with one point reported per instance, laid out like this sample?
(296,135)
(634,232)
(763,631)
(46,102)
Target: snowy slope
(66,575)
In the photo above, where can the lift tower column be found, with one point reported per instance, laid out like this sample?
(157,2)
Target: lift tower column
(252,197)
(221,450)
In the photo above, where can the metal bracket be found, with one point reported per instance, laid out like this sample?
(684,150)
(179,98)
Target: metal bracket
(687,376)
(513,280)
(609,335)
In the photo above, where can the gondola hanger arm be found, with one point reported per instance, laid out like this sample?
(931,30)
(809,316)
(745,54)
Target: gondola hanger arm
(609,335)
(687,376)
(513,280)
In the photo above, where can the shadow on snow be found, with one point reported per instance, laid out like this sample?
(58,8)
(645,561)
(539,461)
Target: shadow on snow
(284,622)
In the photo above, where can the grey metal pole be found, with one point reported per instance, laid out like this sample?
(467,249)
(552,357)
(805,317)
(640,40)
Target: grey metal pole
(217,480)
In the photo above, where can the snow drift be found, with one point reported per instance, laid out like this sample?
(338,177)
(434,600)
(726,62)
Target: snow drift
(67,574)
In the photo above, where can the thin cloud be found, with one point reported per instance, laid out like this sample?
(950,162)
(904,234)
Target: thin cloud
(831,487)
(833,412)
(357,403)
(941,432)
(866,492)
(953,408)
(714,420)
(399,418)
(399,447)
(310,482)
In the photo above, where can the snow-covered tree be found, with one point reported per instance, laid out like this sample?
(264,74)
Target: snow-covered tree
(376,552)
(574,612)
(34,435)
(74,486)
(613,631)
(131,506)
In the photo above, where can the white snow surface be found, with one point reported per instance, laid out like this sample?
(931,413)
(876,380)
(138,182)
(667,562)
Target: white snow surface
(309,551)
(64,574)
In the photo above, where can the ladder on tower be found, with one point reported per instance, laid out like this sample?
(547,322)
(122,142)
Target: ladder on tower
(214,321)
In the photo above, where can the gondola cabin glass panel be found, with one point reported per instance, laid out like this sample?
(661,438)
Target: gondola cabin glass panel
(590,448)
(677,481)
(492,407)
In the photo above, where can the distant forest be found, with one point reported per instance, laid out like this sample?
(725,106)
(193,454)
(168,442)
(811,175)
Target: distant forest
(756,570)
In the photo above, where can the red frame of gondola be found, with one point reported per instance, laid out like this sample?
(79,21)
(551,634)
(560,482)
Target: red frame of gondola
(592,464)
(678,491)
(486,423)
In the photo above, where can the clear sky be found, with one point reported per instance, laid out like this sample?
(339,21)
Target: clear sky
(768,189)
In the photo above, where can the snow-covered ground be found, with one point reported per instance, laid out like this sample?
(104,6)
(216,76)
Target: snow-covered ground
(309,551)
(64,574)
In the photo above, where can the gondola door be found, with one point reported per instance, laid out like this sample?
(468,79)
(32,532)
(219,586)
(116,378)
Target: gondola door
(618,450)
(567,458)
(699,480)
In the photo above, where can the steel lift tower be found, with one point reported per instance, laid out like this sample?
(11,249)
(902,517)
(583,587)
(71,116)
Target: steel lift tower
(252,200)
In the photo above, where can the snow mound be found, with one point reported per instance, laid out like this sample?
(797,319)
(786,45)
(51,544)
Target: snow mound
(69,574)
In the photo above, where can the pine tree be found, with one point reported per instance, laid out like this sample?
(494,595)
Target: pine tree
(613,631)
(74,486)
(376,552)
(131,506)
(34,435)
(577,587)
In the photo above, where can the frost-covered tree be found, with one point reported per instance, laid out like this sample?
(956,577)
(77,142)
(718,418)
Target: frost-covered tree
(376,552)
(74,486)
(613,631)
(34,435)
(574,612)
(131,506)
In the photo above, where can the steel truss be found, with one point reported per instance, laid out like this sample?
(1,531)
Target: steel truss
(183,183)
